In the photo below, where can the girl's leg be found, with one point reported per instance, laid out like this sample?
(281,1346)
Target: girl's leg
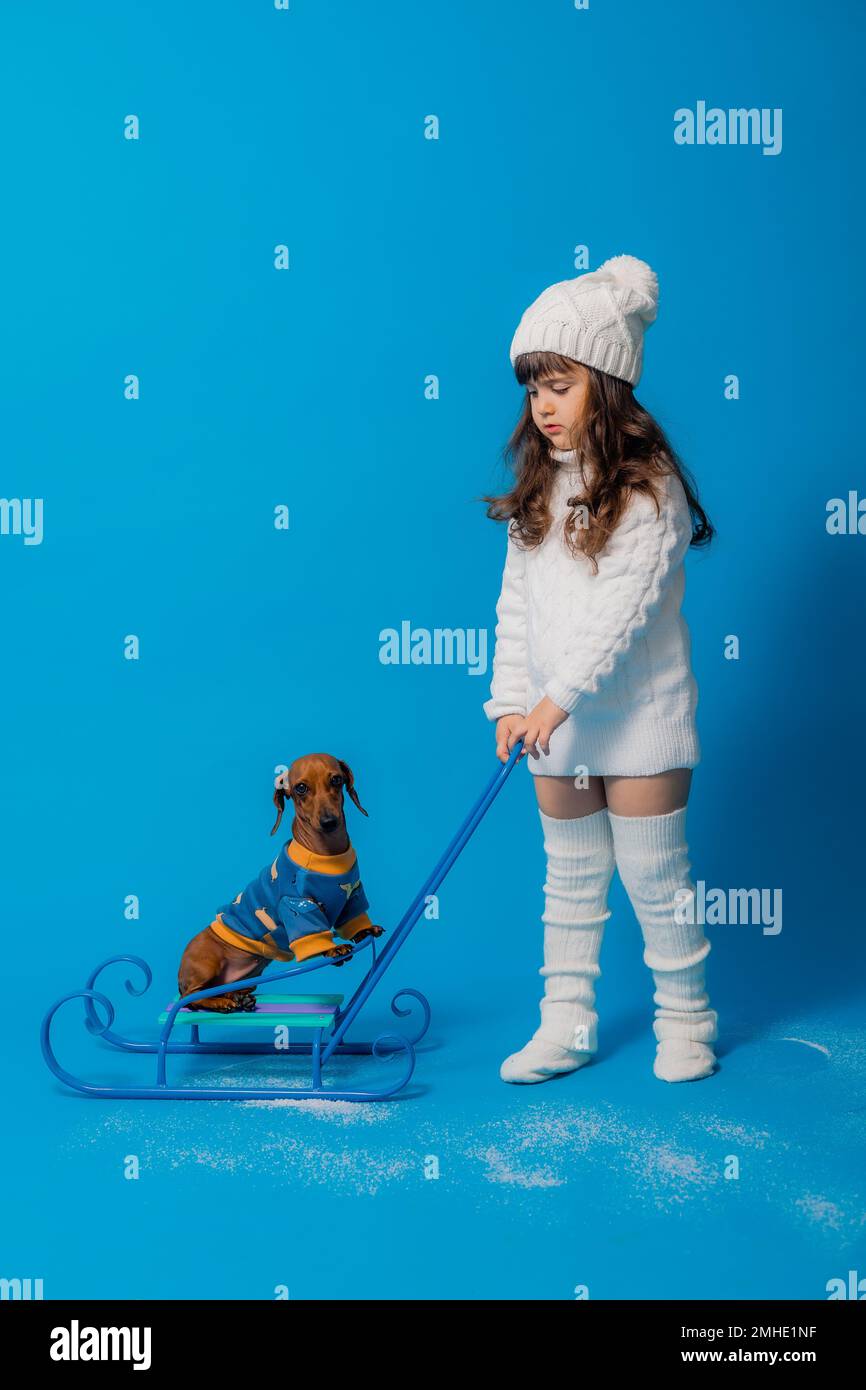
(648,796)
(560,799)
(647,818)
(580,866)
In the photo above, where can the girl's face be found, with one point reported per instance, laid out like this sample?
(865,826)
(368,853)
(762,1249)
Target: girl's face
(557,406)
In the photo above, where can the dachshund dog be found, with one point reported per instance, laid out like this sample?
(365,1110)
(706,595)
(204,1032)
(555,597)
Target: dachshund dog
(309,902)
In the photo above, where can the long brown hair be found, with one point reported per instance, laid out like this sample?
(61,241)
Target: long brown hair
(625,448)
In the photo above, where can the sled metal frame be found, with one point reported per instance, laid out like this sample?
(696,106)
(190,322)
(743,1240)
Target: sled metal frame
(327,1034)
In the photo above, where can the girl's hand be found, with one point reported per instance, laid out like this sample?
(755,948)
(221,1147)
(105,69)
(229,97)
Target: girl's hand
(509,729)
(534,728)
(539,724)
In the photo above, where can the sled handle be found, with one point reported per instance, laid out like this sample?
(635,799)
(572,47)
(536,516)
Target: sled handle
(416,907)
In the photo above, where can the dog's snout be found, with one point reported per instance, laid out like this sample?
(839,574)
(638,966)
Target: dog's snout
(327,822)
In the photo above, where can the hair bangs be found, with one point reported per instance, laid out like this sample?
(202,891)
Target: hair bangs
(538,366)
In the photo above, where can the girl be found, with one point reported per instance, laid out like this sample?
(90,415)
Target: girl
(592,665)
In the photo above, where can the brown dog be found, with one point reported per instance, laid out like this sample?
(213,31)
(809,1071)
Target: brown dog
(315,784)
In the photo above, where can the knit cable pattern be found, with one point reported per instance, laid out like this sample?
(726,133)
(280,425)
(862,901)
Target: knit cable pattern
(572,630)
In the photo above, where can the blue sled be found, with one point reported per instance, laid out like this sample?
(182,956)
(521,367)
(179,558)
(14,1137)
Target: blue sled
(321,1016)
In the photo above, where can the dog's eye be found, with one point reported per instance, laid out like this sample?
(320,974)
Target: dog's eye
(301,788)
(336,780)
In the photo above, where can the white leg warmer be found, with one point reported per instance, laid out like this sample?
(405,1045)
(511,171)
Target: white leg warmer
(652,859)
(580,864)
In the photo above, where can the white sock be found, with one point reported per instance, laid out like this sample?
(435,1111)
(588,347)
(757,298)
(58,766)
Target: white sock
(652,858)
(580,864)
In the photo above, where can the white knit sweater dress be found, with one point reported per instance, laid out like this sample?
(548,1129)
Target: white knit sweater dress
(612,648)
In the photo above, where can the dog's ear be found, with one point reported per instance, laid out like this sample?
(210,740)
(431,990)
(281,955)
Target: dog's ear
(350,784)
(281,791)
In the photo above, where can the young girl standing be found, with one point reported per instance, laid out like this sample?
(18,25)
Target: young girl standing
(592,666)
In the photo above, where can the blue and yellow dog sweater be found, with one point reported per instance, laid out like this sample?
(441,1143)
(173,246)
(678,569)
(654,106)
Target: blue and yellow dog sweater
(297,907)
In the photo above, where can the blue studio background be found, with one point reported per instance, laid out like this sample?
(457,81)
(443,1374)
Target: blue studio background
(412,258)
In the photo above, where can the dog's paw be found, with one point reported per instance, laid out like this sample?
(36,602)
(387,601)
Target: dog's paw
(339,954)
(216,1004)
(372,930)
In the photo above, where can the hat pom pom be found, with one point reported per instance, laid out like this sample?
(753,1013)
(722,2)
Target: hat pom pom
(636,275)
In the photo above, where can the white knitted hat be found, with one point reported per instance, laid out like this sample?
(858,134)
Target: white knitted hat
(598,318)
